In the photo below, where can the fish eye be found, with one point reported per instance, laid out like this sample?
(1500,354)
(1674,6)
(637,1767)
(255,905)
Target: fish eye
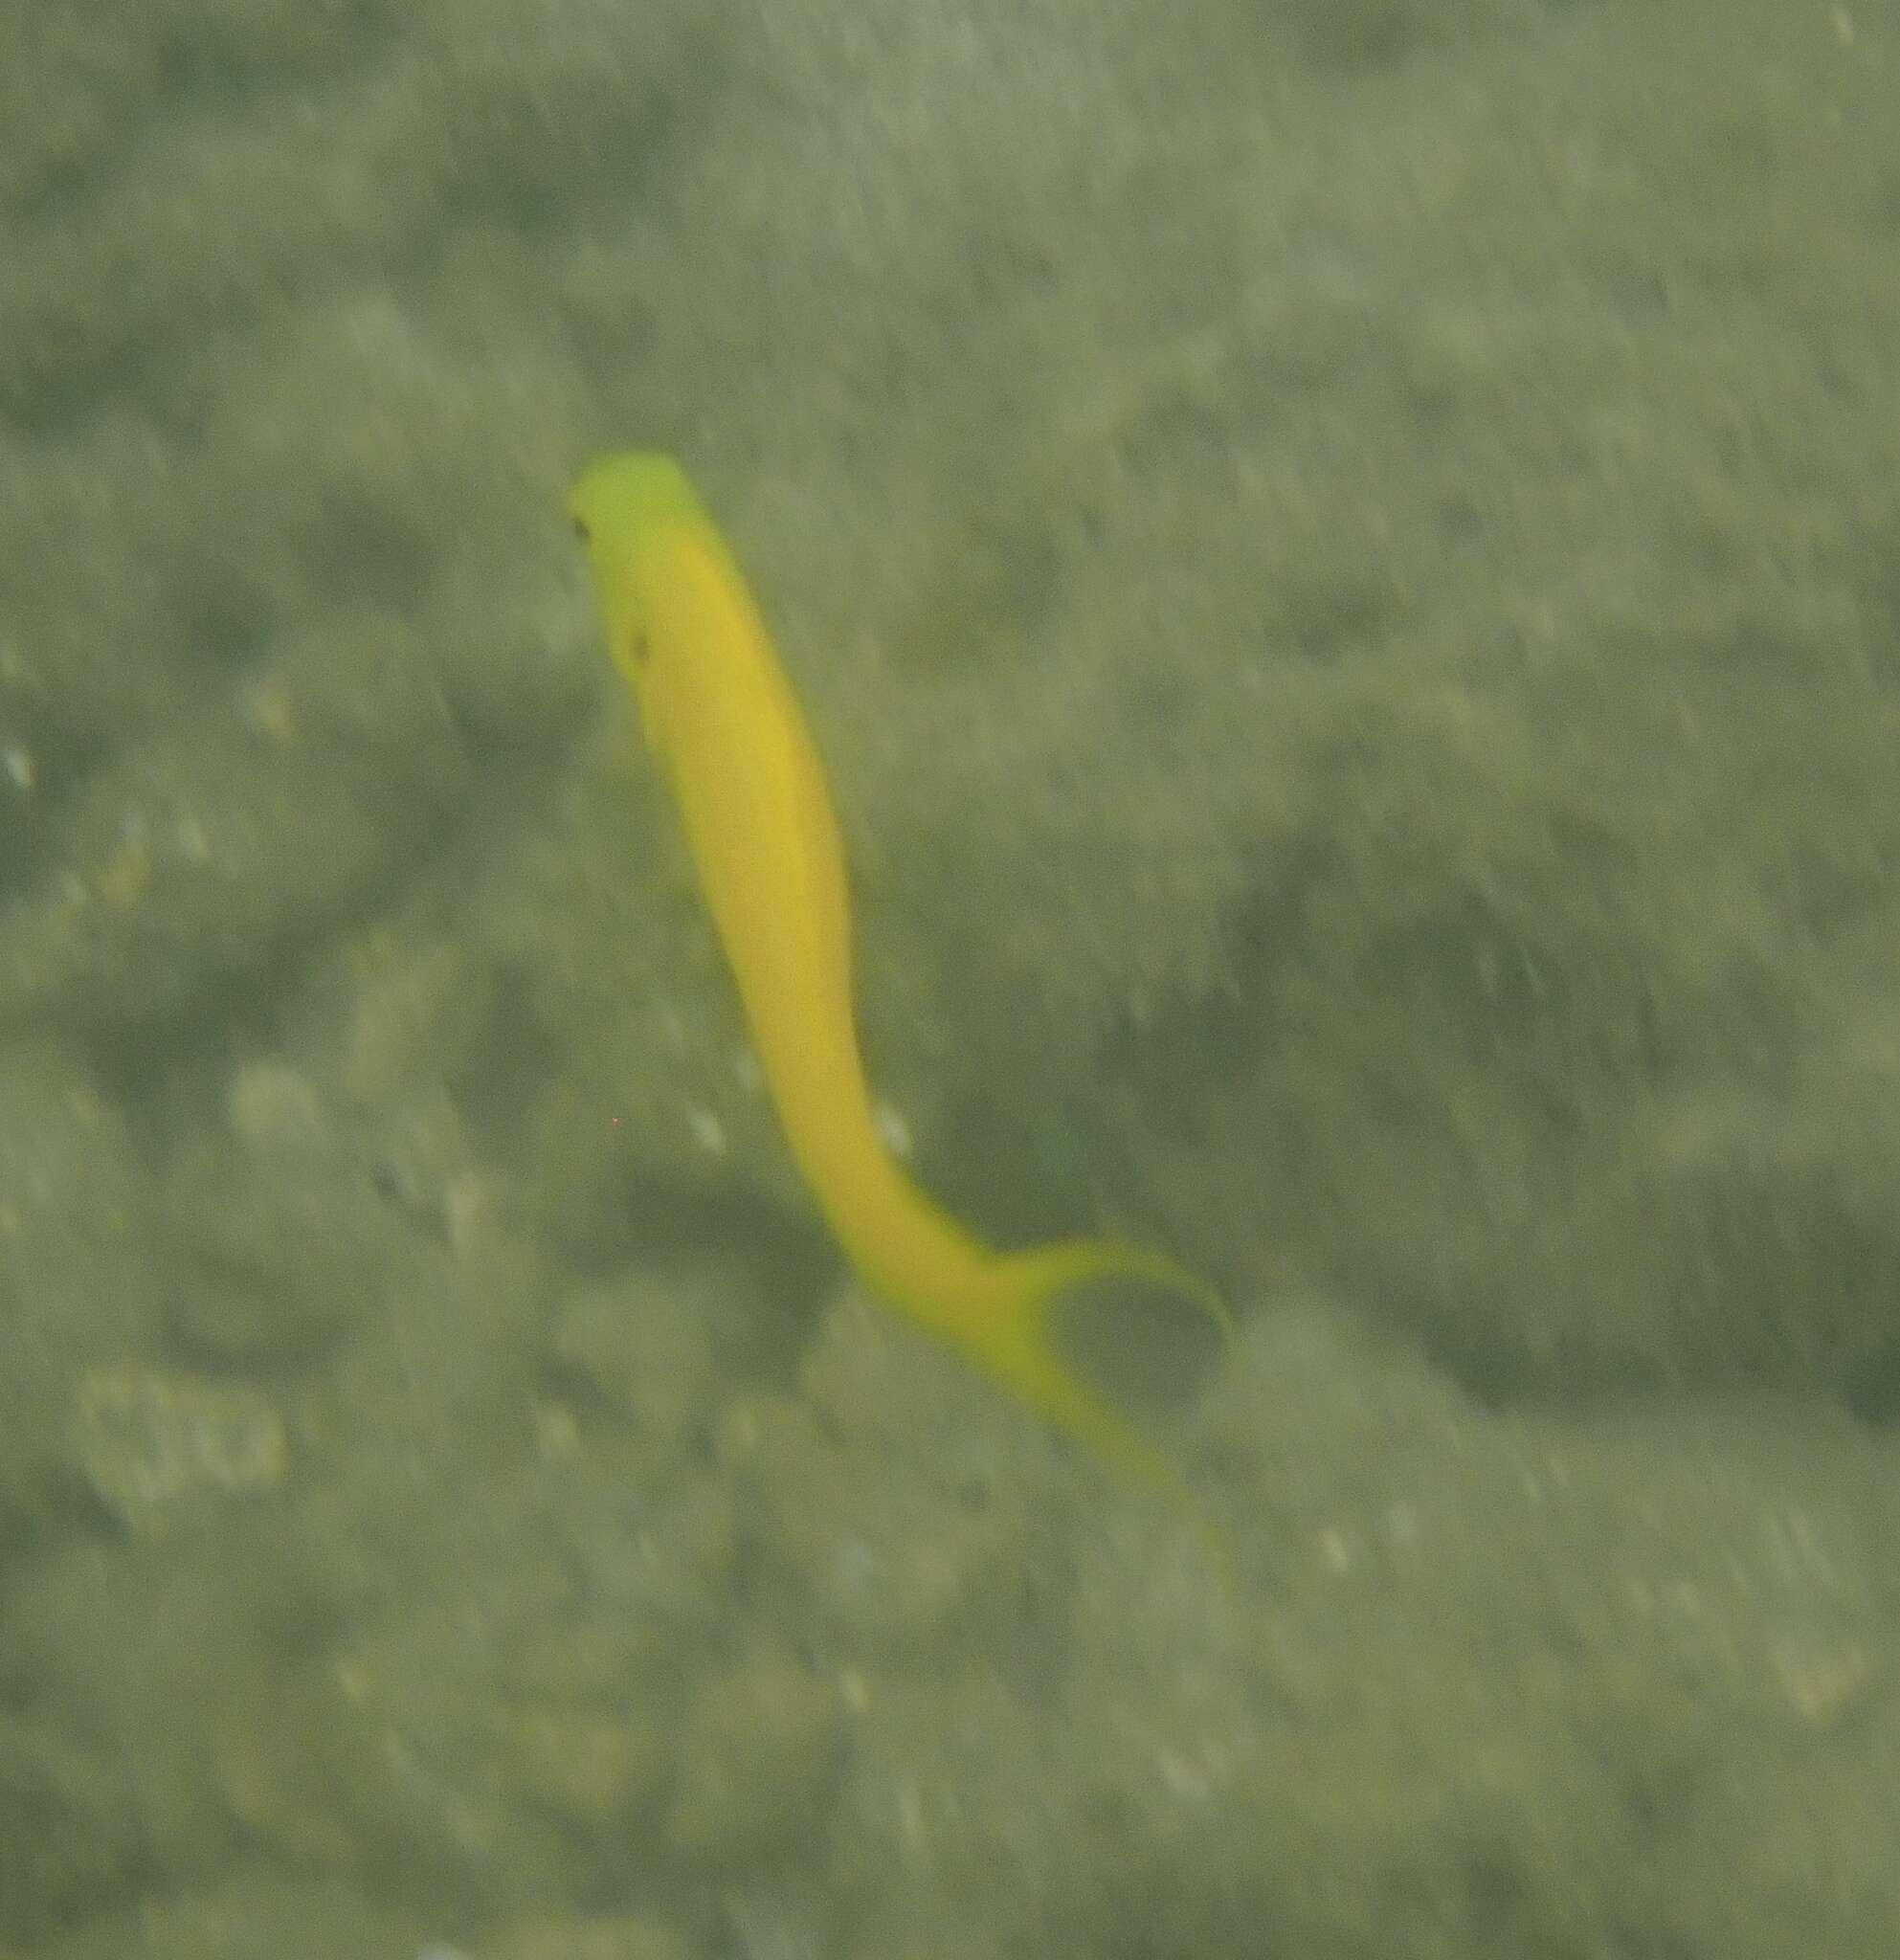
(636,649)
(581,530)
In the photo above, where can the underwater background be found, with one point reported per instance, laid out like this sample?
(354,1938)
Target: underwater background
(1344,557)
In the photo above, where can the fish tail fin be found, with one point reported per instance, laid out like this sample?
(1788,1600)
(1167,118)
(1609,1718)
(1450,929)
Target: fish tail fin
(1019,1343)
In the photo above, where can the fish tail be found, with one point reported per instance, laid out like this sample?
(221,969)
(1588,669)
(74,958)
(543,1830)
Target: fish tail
(1017,1344)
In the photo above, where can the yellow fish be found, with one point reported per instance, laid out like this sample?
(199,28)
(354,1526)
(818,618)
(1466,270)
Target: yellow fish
(719,713)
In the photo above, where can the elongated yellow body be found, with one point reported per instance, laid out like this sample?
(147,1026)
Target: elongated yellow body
(719,713)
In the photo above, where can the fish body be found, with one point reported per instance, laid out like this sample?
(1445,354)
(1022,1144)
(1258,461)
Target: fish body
(719,712)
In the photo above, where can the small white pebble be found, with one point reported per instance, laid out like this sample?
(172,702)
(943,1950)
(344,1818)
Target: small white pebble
(894,1130)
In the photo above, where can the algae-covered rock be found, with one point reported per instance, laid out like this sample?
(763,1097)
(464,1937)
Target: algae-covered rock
(596,1768)
(269,1268)
(254,1914)
(896,1488)
(604,1936)
(755,1761)
(643,1348)
(116,1647)
(154,1445)
(69,1831)
(179,867)
(79,1287)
